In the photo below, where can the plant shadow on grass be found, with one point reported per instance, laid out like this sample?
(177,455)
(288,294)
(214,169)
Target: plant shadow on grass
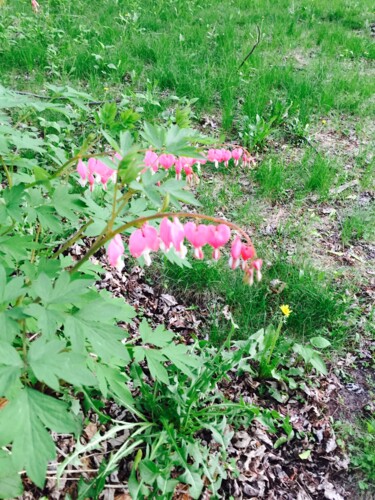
(317,309)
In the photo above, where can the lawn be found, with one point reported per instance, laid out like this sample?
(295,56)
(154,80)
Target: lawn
(293,82)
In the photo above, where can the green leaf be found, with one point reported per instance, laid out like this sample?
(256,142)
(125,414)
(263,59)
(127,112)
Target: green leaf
(66,204)
(104,338)
(108,309)
(64,290)
(194,480)
(320,342)
(180,356)
(9,327)
(280,441)
(49,320)
(11,290)
(159,337)
(153,195)
(13,199)
(155,360)
(153,135)
(67,290)
(48,219)
(43,287)
(305,352)
(185,197)
(126,142)
(175,190)
(41,174)
(50,362)
(111,380)
(318,363)
(23,140)
(305,455)
(312,357)
(149,471)
(108,113)
(178,141)
(23,423)
(17,246)
(10,368)
(174,258)
(10,480)
(110,140)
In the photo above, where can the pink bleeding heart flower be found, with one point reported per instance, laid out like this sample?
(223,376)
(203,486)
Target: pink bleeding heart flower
(143,241)
(257,265)
(172,235)
(35,6)
(236,155)
(247,252)
(220,155)
(116,158)
(91,165)
(189,172)
(235,253)
(211,155)
(179,165)
(188,161)
(178,236)
(248,160)
(214,156)
(104,173)
(217,237)
(82,172)
(166,234)
(151,160)
(166,161)
(249,276)
(197,236)
(115,252)
(225,156)
(199,162)
(188,167)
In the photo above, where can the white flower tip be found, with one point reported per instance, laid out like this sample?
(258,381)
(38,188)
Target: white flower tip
(147,257)
(120,264)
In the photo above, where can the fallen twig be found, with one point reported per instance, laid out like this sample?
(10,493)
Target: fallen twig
(253,48)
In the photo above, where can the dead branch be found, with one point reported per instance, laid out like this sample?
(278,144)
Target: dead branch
(253,48)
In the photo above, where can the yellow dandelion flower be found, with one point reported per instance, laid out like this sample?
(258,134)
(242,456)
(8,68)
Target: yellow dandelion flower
(286,310)
(324,122)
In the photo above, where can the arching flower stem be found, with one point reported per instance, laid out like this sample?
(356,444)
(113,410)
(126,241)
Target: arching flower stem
(109,234)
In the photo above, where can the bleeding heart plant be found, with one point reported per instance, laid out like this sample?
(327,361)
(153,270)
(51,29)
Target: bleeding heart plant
(62,351)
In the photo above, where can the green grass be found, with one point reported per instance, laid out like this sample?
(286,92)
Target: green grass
(320,176)
(194,48)
(314,60)
(360,224)
(317,309)
(361,445)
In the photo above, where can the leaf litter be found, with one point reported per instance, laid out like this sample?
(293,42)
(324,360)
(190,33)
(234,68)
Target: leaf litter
(309,463)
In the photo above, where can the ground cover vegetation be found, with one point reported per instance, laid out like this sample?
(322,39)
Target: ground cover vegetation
(132,133)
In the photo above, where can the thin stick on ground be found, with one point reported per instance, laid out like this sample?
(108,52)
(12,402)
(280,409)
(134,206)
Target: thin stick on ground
(253,48)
